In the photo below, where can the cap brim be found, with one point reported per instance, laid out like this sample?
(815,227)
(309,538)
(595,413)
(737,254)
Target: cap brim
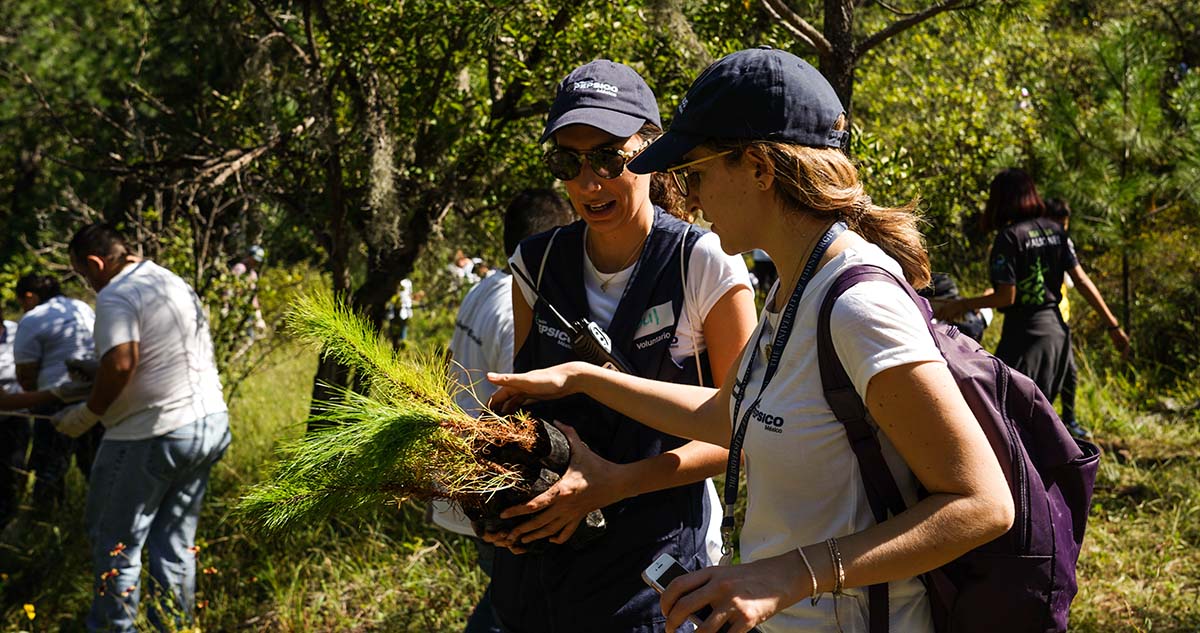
(615,123)
(667,150)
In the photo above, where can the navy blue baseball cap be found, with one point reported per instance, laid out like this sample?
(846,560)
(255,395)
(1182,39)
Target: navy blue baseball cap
(604,95)
(759,94)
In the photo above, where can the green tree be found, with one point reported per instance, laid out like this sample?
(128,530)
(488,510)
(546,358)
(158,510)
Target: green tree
(1123,145)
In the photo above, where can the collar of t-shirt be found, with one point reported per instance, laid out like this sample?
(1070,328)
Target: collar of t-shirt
(604,291)
(126,271)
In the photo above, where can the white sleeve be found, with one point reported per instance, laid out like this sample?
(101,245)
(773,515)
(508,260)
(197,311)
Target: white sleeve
(87,317)
(26,344)
(502,362)
(711,274)
(876,326)
(519,261)
(499,349)
(116,323)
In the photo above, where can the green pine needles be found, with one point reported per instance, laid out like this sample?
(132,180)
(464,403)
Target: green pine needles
(404,437)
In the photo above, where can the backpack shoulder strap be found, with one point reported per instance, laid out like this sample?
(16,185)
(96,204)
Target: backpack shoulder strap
(882,491)
(883,494)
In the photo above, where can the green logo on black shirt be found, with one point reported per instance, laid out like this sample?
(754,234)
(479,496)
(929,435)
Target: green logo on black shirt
(1031,291)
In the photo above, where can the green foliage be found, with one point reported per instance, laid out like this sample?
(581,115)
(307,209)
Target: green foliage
(1122,143)
(403,437)
(952,102)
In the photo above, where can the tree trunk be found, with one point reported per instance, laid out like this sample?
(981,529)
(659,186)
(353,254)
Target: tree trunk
(330,373)
(838,64)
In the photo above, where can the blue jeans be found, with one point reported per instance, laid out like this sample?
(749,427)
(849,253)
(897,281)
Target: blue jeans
(147,493)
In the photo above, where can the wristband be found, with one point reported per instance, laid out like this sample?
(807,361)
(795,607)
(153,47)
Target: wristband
(839,572)
(812,575)
(1114,327)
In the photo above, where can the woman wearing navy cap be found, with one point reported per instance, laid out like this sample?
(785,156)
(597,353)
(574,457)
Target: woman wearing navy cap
(677,308)
(756,144)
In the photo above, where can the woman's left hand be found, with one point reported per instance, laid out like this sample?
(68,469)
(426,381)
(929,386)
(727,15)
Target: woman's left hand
(741,596)
(591,482)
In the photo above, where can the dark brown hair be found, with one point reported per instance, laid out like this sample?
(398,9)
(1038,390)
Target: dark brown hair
(100,239)
(1013,197)
(532,211)
(662,190)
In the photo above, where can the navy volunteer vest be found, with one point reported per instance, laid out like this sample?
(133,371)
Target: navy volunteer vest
(598,587)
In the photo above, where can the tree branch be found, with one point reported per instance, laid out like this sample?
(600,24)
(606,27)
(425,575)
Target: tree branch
(893,10)
(300,52)
(902,25)
(798,26)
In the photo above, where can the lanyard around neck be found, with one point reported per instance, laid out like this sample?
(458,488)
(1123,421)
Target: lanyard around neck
(782,334)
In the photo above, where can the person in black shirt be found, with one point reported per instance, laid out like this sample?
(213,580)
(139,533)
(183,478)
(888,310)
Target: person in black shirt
(1029,258)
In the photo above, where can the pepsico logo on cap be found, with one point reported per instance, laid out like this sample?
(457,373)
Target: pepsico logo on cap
(595,86)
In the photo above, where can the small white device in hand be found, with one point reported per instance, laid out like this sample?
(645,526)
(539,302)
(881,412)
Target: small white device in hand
(662,571)
(659,575)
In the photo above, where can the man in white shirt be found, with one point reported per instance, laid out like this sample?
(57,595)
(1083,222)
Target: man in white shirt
(14,431)
(53,330)
(159,397)
(483,342)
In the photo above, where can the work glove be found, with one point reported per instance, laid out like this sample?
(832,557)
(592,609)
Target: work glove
(83,368)
(75,421)
(72,391)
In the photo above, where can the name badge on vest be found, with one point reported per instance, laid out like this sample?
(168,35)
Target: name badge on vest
(651,328)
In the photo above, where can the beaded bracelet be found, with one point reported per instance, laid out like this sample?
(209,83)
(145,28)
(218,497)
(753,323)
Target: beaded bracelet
(812,575)
(839,572)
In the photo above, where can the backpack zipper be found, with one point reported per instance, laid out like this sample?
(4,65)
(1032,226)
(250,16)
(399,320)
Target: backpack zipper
(1018,457)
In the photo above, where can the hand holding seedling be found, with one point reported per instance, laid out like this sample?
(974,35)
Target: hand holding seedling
(540,384)
(590,483)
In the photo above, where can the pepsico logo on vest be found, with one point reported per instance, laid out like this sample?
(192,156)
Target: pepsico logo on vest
(545,329)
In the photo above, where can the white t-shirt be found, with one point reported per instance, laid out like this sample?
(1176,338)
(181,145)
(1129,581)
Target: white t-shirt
(482,341)
(711,274)
(803,480)
(176,380)
(8,367)
(52,333)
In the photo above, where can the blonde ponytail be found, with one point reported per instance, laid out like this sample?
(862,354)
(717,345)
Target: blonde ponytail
(824,182)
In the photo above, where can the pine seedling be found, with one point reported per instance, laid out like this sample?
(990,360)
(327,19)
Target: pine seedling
(404,437)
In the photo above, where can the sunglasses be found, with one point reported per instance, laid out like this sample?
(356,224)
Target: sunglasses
(680,173)
(606,162)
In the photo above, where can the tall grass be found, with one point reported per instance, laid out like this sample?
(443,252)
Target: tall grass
(382,569)
(386,569)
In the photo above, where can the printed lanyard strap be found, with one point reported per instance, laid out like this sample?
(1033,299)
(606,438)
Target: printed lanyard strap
(782,335)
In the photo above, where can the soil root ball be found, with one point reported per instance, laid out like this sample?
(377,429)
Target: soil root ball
(540,467)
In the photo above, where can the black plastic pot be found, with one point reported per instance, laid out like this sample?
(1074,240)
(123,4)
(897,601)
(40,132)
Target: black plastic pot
(543,466)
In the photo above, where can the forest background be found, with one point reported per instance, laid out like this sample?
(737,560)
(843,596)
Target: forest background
(364,142)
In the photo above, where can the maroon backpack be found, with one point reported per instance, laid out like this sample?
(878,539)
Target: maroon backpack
(1025,579)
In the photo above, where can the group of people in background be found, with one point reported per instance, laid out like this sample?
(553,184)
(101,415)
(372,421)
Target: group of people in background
(150,427)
